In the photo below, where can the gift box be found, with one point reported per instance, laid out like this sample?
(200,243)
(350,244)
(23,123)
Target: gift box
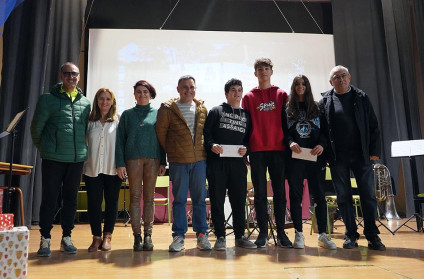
(6,222)
(14,253)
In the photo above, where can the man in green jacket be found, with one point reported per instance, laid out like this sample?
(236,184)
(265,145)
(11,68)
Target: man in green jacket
(58,131)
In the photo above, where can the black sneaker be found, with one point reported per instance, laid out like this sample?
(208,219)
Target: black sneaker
(148,244)
(243,242)
(138,242)
(261,241)
(374,243)
(284,241)
(350,242)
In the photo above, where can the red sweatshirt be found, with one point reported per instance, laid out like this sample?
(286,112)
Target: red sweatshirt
(266,108)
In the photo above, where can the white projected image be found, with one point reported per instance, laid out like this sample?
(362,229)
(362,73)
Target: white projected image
(118,58)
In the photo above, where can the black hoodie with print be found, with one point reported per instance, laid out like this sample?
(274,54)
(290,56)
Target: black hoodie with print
(226,125)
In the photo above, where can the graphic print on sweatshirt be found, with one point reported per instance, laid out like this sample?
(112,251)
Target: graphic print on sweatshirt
(233,122)
(266,106)
(303,126)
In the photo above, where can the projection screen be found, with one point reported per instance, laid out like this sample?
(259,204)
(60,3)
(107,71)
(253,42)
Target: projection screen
(117,58)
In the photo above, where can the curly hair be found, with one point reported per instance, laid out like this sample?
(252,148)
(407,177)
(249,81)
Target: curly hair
(263,62)
(232,82)
(95,111)
(293,105)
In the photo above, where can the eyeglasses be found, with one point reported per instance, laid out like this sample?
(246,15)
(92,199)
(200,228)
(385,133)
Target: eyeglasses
(188,88)
(70,74)
(339,77)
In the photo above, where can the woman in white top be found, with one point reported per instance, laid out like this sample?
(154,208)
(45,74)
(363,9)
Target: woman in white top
(100,172)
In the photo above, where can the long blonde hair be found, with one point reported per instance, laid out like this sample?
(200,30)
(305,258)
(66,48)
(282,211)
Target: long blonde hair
(95,111)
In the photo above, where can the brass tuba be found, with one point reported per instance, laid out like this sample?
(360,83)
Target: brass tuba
(383,190)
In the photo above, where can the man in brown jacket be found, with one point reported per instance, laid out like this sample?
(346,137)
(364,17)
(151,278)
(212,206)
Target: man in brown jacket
(179,128)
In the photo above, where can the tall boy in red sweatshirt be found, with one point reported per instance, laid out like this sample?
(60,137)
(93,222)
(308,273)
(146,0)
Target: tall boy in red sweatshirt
(265,103)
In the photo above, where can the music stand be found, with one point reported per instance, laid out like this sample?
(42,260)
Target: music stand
(11,130)
(124,213)
(410,149)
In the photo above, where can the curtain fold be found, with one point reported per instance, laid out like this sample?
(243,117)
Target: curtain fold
(374,40)
(39,36)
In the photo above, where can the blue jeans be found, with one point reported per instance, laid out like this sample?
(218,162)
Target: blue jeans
(340,173)
(184,177)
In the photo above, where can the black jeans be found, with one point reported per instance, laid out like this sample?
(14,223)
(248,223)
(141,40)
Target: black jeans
(340,173)
(56,175)
(275,162)
(297,171)
(109,186)
(231,175)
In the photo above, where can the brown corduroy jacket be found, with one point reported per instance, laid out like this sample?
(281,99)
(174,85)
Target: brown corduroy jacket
(174,134)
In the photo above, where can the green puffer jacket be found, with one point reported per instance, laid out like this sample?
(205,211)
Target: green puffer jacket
(59,125)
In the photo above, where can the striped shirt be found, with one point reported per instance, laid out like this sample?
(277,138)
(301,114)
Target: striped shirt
(189,113)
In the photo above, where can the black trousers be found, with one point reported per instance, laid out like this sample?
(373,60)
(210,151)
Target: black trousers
(297,171)
(57,175)
(231,175)
(97,187)
(364,175)
(274,161)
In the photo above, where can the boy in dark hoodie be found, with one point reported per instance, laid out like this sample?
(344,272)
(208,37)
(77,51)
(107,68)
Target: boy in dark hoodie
(266,103)
(228,124)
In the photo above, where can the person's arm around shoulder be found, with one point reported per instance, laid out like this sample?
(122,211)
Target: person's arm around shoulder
(121,134)
(41,115)
(374,133)
(245,103)
(209,142)
(162,125)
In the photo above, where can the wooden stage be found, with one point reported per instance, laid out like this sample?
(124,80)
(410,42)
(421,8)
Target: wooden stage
(404,257)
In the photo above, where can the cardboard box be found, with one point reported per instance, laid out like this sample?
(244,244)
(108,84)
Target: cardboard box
(6,222)
(14,253)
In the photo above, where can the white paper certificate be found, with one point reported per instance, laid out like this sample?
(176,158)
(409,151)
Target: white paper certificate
(305,155)
(230,150)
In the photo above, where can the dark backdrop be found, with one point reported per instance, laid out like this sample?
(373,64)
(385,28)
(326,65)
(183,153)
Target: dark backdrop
(379,41)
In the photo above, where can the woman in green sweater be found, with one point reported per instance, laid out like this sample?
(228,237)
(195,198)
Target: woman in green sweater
(140,158)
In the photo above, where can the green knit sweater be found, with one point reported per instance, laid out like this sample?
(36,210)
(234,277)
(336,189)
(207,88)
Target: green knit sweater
(136,136)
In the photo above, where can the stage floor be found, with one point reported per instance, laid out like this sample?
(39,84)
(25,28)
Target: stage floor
(404,257)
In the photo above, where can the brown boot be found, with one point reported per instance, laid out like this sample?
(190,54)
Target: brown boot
(107,238)
(96,244)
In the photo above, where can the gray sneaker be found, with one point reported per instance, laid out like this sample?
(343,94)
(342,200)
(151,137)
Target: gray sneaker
(67,246)
(325,241)
(148,244)
(44,250)
(203,243)
(243,242)
(299,240)
(177,244)
(220,244)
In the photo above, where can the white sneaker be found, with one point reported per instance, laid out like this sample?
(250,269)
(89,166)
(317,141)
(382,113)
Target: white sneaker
(203,243)
(177,244)
(325,241)
(299,240)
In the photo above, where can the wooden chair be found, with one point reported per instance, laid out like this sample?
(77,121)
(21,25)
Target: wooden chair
(332,203)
